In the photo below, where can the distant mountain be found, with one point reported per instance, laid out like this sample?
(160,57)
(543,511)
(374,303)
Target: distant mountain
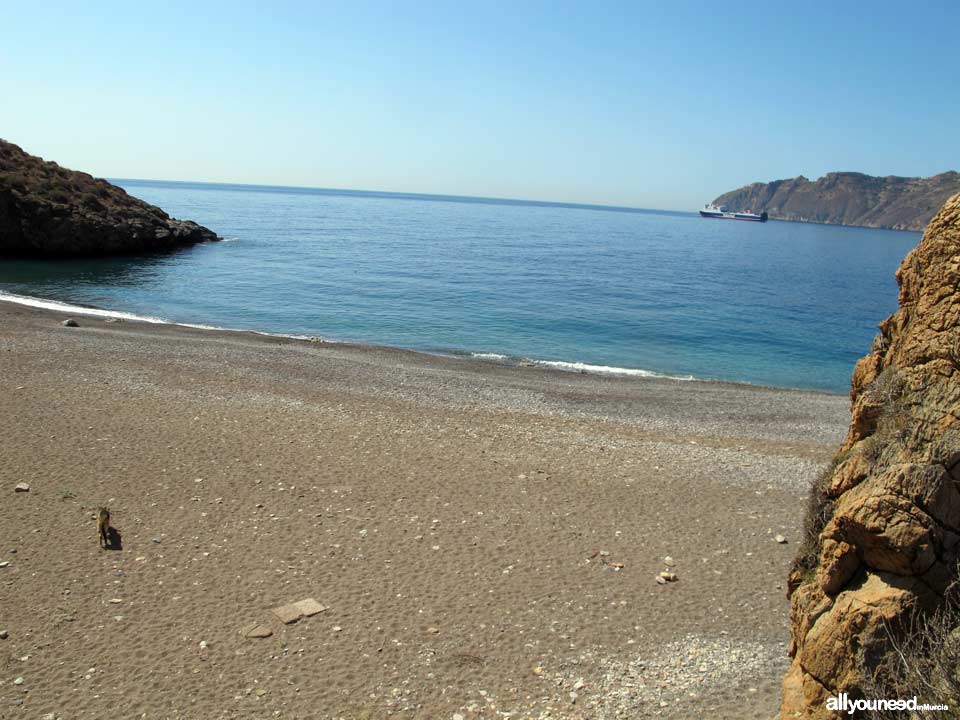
(48,211)
(849,198)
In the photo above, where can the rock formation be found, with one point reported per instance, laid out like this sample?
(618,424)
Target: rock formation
(884,522)
(49,211)
(848,198)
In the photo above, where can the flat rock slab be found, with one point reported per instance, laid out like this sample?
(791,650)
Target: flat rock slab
(288,613)
(256,631)
(309,607)
(294,611)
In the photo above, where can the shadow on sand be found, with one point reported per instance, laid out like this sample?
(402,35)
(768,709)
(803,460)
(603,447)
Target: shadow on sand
(114,540)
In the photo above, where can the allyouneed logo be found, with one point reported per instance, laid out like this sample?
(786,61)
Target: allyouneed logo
(843,704)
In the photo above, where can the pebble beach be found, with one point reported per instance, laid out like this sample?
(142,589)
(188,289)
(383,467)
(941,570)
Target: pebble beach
(474,540)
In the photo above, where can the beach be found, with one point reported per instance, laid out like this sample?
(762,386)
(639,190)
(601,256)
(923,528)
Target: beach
(485,539)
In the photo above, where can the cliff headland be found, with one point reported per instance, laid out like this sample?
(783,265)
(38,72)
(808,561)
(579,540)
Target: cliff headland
(48,211)
(848,198)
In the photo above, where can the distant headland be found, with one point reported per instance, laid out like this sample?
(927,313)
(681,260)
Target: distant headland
(50,211)
(848,198)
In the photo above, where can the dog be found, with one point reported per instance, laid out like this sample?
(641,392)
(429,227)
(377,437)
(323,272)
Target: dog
(103,527)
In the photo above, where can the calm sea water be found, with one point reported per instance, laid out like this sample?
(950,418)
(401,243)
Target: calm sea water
(783,304)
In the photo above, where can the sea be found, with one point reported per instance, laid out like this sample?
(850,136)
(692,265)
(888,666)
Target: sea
(581,288)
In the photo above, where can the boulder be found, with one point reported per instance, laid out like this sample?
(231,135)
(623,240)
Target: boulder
(888,548)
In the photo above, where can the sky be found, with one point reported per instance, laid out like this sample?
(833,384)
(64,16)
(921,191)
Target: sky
(642,104)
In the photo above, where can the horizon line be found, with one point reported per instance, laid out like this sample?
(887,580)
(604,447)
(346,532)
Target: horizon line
(400,195)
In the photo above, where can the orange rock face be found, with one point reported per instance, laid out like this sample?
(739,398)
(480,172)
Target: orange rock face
(890,540)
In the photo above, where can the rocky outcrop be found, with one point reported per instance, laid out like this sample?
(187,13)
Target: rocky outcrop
(848,198)
(49,211)
(884,523)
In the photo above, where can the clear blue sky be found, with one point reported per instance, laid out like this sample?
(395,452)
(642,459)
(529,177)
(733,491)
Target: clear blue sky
(660,104)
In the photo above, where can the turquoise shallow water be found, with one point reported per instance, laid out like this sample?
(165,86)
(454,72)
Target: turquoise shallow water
(783,304)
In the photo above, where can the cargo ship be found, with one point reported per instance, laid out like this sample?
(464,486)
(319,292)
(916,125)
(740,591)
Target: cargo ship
(721,213)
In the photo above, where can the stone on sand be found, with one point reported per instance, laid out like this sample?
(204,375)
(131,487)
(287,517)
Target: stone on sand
(309,606)
(70,322)
(288,613)
(292,612)
(255,630)
(22,487)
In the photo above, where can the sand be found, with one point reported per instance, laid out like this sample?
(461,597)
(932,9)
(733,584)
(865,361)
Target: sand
(485,539)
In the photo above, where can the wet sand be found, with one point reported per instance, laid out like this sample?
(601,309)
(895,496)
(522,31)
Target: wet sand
(485,538)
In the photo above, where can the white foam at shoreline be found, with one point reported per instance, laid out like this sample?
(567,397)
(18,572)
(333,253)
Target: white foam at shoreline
(80,310)
(577,366)
(606,370)
(63,307)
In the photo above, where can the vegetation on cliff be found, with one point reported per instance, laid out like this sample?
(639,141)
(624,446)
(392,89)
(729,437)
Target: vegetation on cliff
(878,572)
(848,198)
(50,211)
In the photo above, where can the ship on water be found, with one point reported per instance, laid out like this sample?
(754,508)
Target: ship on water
(721,213)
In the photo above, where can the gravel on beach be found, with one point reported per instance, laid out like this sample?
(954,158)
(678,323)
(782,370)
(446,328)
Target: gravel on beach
(484,541)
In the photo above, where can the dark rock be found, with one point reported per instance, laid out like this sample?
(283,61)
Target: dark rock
(50,211)
(70,322)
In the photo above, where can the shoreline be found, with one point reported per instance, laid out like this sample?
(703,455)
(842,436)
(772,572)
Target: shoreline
(485,538)
(569,367)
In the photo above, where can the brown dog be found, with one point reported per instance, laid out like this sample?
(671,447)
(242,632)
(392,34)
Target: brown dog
(103,527)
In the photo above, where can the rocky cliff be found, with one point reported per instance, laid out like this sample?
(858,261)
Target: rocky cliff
(884,521)
(847,198)
(49,211)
